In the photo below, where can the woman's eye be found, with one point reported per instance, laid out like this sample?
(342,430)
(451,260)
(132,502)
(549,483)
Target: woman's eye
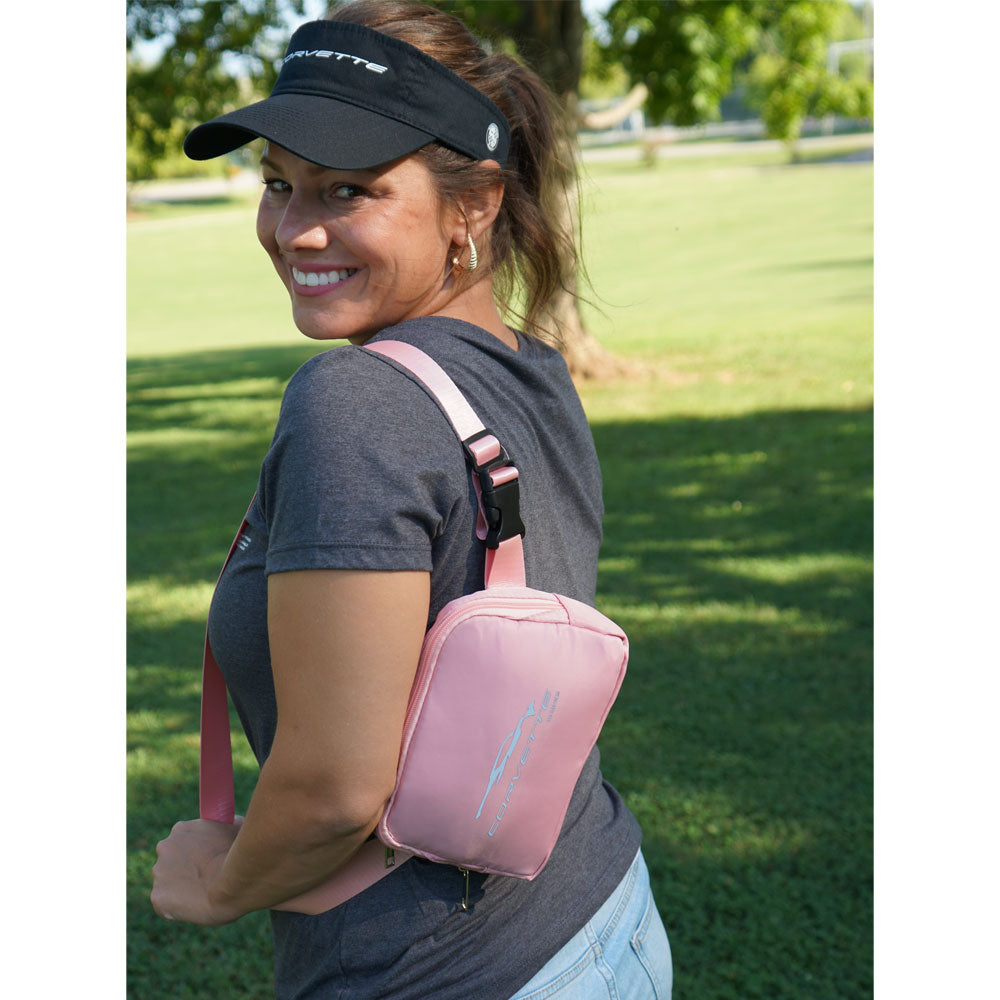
(348,192)
(276,186)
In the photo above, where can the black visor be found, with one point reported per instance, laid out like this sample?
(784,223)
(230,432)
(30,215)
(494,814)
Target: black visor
(349,98)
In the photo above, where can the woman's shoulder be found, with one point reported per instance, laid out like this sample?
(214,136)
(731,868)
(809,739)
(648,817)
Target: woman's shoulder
(341,365)
(347,380)
(348,405)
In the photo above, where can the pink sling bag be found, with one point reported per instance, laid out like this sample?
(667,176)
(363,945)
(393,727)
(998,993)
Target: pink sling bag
(511,691)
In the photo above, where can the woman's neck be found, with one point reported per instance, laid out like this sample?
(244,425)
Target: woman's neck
(476,305)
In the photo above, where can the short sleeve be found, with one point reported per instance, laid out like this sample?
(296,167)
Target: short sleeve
(363,472)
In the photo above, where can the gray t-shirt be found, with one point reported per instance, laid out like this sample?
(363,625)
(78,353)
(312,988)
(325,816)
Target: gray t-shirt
(365,472)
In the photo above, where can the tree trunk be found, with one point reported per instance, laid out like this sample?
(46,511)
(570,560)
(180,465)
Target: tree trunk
(550,36)
(585,356)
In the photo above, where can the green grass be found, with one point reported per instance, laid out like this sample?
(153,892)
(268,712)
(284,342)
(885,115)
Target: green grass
(737,555)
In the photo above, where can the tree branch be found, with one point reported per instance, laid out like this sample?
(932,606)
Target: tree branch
(610,117)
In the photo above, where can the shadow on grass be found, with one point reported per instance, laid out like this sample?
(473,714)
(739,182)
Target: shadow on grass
(736,555)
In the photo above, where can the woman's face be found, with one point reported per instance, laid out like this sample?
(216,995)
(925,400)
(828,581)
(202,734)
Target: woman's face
(358,250)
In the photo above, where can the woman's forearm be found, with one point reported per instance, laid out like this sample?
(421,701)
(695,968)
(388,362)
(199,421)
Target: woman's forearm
(341,689)
(292,840)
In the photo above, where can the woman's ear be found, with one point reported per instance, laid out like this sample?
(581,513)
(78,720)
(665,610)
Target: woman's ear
(479,206)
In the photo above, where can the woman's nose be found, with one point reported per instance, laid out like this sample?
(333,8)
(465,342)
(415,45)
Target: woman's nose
(300,228)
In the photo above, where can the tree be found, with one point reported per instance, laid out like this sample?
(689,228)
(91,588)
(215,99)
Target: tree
(789,78)
(687,52)
(195,76)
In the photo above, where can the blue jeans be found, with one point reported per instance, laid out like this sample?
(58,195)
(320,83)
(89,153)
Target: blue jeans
(622,953)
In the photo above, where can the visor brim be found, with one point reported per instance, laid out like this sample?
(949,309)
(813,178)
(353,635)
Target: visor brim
(323,130)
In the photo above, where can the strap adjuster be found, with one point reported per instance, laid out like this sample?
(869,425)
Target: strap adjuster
(498,482)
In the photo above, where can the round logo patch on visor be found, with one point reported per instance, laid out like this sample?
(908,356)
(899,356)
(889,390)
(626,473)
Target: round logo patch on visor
(492,137)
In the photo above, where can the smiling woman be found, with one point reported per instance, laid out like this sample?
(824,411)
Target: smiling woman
(409,183)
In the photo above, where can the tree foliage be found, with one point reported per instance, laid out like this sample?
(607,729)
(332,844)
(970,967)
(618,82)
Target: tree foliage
(215,55)
(689,53)
(789,78)
(685,51)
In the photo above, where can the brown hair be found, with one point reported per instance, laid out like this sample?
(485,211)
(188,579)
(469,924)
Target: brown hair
(533,248)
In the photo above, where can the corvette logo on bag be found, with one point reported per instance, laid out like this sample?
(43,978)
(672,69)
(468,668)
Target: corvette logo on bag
(506,751)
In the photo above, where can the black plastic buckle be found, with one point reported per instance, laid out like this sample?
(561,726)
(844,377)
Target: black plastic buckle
(501,504)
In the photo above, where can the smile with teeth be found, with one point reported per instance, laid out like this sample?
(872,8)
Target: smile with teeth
(313,278)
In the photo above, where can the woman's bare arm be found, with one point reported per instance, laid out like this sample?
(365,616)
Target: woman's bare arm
(344,650)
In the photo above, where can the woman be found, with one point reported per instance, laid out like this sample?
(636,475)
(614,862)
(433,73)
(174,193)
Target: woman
(409,181)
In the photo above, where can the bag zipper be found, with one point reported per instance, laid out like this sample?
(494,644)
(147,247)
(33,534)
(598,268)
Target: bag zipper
(465,898)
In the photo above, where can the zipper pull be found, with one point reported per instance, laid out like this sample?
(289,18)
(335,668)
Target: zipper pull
(390,857)
(465,898)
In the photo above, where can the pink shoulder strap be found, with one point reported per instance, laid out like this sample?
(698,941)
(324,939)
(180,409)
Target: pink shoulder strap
(495,479)
(215,785)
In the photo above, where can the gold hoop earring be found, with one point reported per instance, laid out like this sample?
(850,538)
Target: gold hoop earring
(473,257)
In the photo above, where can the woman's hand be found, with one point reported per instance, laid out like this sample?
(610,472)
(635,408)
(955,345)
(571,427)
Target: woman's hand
(188,862)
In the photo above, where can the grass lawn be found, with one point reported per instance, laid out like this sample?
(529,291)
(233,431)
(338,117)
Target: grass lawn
(737,554)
